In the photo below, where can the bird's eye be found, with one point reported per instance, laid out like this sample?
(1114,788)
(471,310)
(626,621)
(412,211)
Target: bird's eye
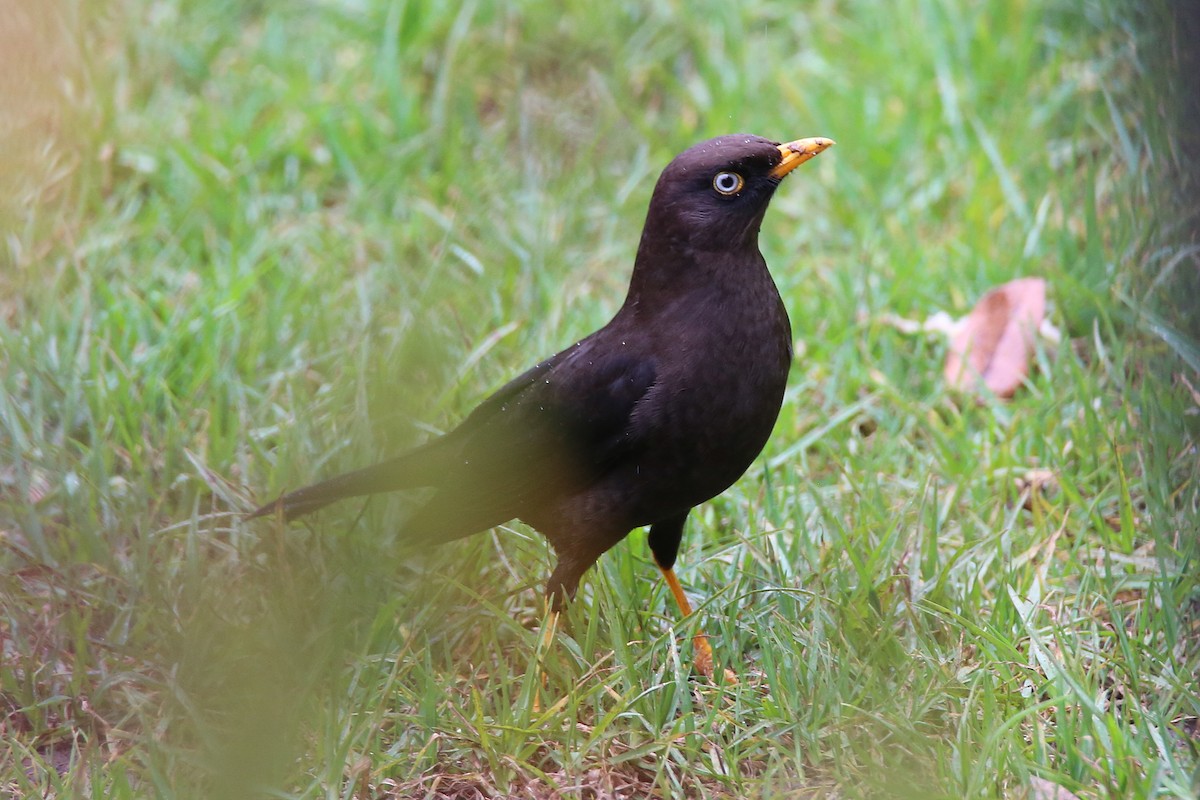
(728,182)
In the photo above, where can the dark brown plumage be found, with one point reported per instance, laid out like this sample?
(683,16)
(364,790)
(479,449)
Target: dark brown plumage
(658,411)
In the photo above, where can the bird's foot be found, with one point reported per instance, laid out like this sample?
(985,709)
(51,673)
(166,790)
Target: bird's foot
(704,660)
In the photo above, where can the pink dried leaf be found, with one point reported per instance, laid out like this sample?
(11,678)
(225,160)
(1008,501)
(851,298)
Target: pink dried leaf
(993,345)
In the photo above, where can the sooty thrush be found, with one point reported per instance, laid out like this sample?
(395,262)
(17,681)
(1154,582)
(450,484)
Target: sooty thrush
(658,411)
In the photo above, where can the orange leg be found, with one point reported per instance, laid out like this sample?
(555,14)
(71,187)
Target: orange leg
(549,631)
(547,642)
(703,650)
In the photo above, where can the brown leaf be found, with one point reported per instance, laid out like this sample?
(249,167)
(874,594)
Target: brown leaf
(993,344)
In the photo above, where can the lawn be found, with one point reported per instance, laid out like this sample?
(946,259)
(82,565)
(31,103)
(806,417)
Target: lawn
(248,245)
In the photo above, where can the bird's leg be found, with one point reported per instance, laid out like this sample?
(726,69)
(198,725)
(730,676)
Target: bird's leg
(664,544)
(548,630)
(703,650)
(560,588)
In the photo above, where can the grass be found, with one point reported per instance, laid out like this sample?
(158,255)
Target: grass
(251,244)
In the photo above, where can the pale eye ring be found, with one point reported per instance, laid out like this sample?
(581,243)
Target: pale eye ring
(728,182)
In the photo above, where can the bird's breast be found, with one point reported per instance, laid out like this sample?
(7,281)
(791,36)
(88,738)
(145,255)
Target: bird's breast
(721,383)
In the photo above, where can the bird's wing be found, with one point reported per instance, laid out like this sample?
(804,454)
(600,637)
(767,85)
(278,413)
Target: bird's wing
(547,433)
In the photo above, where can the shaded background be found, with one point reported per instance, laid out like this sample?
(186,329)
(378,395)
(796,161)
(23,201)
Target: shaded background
(252,244)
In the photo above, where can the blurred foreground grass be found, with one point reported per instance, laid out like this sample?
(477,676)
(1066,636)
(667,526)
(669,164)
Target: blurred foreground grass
(251,244)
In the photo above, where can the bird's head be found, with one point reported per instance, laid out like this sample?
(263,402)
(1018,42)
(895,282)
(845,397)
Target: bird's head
(712,197)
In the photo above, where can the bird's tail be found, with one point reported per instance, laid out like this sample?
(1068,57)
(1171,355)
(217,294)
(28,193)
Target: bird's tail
(408,471)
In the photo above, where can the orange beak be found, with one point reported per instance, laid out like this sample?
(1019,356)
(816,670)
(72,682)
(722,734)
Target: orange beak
(797,152)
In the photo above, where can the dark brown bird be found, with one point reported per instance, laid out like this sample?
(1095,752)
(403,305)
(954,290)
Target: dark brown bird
(658,411)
